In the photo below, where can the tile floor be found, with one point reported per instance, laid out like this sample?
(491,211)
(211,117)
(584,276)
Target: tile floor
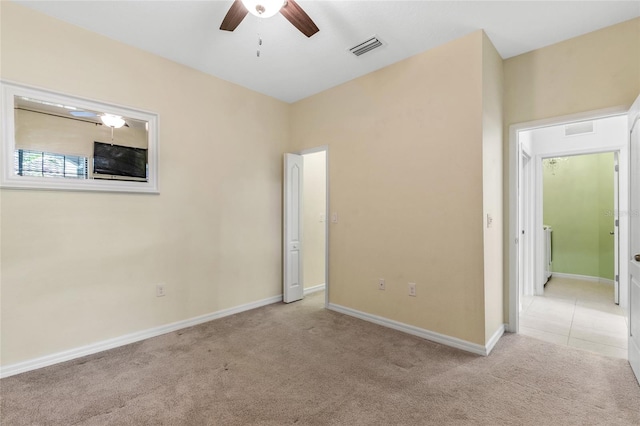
(576,313)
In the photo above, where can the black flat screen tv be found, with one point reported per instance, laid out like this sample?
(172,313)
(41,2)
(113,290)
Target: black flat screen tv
(113,161)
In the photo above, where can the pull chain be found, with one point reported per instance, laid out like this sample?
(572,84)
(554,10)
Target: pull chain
(259,37)
(259,44)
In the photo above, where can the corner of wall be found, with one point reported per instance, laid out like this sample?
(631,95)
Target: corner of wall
(492,149)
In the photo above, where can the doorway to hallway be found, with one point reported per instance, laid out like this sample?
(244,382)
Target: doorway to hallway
(305,230)
(567,310)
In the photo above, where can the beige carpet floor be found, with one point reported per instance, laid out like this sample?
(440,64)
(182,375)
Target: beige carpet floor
(300,364)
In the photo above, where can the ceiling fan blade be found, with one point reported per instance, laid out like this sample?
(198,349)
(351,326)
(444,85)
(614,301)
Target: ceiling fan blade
(234,16)
(83,114)
(299,18)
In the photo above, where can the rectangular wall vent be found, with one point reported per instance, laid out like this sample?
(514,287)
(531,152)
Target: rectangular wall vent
(578,128)
(366,46)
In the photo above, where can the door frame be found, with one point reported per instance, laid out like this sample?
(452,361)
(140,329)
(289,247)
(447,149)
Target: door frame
(314,150)
(538,205)
(616,228)
(525,237)
(514,156)
(634,344)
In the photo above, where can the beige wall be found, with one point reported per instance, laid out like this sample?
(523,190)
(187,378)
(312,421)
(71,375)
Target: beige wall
(314,206)
(595,71)
(492,95)
(405,168)
(80,267)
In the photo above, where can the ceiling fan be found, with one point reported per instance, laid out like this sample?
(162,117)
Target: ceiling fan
(110,120)
(267,8)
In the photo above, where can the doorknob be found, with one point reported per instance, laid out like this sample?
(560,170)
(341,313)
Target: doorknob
(637,257)
(612,233)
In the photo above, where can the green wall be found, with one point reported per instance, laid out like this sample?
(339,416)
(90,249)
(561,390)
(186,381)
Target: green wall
(578,205)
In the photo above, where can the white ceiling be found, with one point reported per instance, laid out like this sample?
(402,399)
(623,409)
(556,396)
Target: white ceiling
(292,66)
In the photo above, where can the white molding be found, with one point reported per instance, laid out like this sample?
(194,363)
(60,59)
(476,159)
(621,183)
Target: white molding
(582,277)
(575,276)
(493,340)
(47,360)
(314,289)
(443,339)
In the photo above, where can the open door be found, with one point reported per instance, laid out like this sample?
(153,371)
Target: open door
(634,262)
(292,228)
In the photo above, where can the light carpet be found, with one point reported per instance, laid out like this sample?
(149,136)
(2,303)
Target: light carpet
(301,364)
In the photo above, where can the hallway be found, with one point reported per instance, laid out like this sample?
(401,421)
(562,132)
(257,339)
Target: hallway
(576,313)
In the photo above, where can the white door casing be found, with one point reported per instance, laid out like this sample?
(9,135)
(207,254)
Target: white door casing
(634,265)
(616,228)
(292,229)
(526,220)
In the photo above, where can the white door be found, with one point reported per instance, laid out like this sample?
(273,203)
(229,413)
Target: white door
(634,262)
(292,239)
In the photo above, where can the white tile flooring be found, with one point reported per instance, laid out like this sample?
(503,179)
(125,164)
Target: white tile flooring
(576,313)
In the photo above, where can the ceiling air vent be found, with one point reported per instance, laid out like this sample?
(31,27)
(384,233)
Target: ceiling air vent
(366,46)
(578,128)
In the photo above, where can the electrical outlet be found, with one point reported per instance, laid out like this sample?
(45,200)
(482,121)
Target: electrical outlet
(381,285)
(160,291)
(412,289)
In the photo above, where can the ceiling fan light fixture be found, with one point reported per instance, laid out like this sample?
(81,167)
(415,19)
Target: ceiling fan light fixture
(114,121)
(263,8)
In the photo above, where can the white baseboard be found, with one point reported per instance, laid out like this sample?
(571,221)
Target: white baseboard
(575,276)
(314,289)
(420,332)
(47,360)
(491,343)
(582,277)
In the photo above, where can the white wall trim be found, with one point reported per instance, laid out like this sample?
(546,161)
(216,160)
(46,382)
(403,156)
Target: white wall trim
(443,339)
(491,343)
(575,276)
(606,281)
(582,277)
(314,289)
(47,360)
